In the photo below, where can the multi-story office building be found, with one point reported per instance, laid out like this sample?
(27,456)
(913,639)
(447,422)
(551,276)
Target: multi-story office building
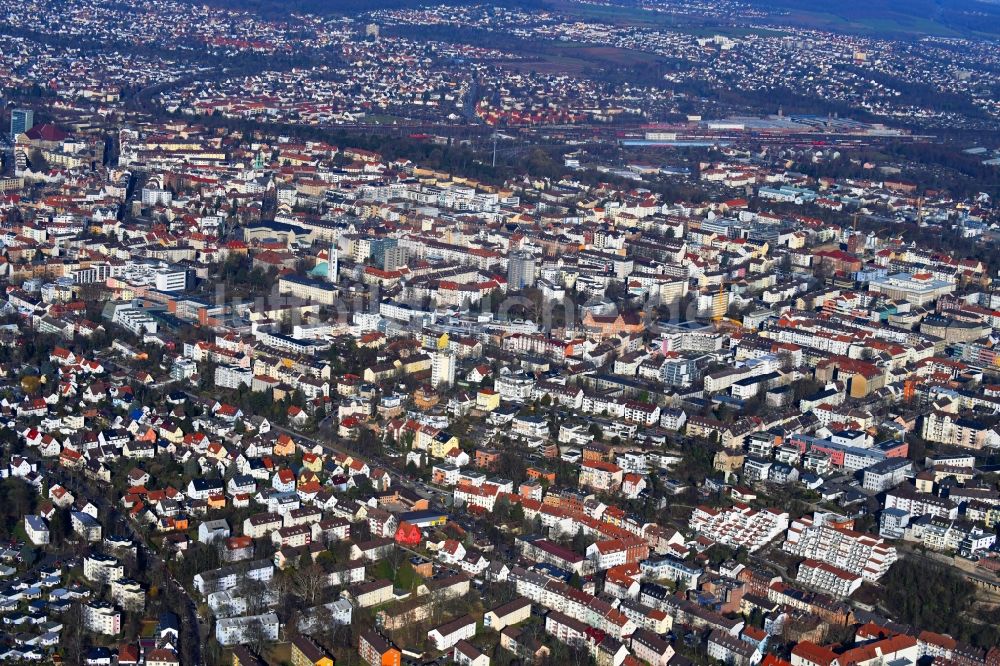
(21,120)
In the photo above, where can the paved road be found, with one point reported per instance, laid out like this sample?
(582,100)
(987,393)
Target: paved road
(190,622)
(47,560)
(327,444)
(6,155)
(431,494)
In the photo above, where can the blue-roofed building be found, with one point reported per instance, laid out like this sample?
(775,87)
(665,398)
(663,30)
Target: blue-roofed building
(97,656)
(169,625)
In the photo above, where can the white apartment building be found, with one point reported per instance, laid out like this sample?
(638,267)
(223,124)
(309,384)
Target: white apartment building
(226,578)
(584,607)
(919,289)
(819,538)
(887,474)
(102,618)
(651,648)
(102,569)
(916,504)
(672,569)
(605,556)
(262,524)
(948,428)
(600,475)
(514,386)
(156,197)
(828,578)
(232,377)
(97,272)
(128,594)
(230,603)
(183,368)
(135,320)
(754,367)
(315,291)
(739,526)
(446,636)
(156,274)
(237,630)
(171,279)
(942,534)
(36,529)
(339,612)
(565,628)
(442,369)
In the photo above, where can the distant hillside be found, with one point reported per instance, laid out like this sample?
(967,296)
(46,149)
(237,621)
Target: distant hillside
(891,18)
(888,18)
(278,8)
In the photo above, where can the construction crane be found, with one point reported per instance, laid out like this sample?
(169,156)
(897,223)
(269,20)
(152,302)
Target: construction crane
(722,317)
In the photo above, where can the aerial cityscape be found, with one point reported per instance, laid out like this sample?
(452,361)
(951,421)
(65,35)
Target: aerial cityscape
(430,332)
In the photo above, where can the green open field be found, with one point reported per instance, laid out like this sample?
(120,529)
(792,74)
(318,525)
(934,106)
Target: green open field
(571,58)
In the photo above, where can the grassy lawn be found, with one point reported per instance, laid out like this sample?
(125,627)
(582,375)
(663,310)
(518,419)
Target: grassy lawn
(383,119)
(148,629)
(406,578)
(19,534)
(279,653)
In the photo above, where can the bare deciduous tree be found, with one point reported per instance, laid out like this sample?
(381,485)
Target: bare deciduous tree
(256,636)
(310,581)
